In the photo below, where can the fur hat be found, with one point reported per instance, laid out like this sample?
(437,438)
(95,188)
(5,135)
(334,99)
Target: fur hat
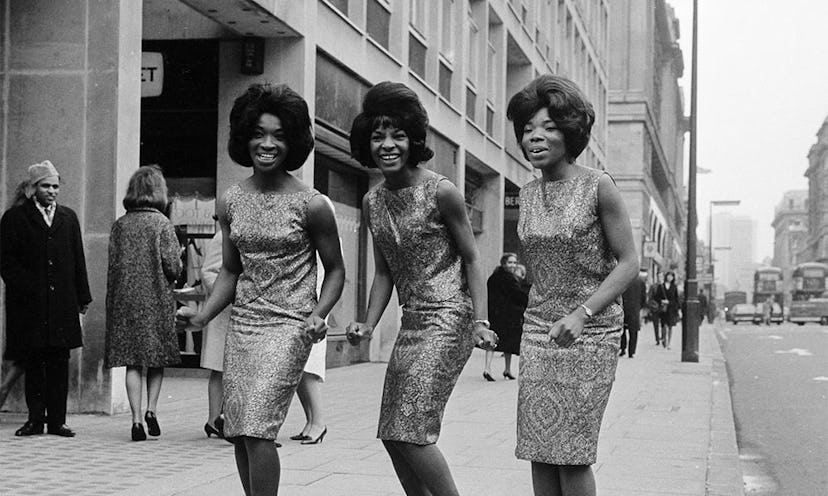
(41,171)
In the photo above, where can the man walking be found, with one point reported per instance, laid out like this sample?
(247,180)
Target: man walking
(44,268)
(633,300)
(702,306)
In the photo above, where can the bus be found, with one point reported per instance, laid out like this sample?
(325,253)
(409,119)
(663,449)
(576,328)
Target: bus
(808,303)
(768,284)
(731,299)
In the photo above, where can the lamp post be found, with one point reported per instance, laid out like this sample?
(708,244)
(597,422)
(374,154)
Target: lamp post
(690,317)
(714,203)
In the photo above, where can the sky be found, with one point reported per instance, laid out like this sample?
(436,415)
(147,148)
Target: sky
(762,97)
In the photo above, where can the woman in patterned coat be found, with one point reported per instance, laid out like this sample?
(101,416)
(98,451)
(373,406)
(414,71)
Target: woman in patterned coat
(577,242)
(144,261)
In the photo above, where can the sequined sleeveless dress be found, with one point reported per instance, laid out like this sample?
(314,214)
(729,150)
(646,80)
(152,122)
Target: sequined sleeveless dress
(435,337)
(266,347)
(563,392)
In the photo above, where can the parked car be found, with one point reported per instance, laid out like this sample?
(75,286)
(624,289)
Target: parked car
(743,312)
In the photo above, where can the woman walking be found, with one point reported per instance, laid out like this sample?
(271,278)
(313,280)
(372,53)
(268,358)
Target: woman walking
(507,301)
(423,245)
(144,261)
(577,241)
(273,225)
(668,297)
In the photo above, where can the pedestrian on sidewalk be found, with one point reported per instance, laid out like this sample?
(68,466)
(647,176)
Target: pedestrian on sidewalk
(144,262)
(43,265)
(667,295)
(214,335)
(507,301)
(654,306)
(273,226)
(633,300)
(703,306)
(13,354)
(577,240)
(423,245)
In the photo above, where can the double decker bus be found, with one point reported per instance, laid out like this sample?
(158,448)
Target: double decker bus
(768,284)
(807,303)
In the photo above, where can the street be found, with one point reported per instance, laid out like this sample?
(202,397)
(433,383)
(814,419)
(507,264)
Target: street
(779,388)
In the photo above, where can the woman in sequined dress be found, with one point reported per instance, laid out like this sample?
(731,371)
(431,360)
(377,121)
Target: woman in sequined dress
(273,225)
(423,245)
(577,243)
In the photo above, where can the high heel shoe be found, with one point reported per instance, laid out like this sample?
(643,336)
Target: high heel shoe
(318,440)
(212,431)
(300,437)
(138,433)
(508,375)
(152,423)
(488,377)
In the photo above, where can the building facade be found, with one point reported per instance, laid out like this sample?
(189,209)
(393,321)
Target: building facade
(734,252)
(647,127)
(790,234)
(817,174)
(103,87)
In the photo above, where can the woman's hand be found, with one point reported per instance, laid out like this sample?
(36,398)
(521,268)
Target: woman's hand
(357,331)
(316,328)
(186,317)
(484,337)
(568,329)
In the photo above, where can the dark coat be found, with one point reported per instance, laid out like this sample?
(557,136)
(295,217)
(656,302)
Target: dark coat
(634,298)
(44,269)
(670,317)
(507,302)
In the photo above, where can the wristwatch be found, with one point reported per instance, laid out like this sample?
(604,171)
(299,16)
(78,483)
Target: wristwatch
(484,322)
(587,311)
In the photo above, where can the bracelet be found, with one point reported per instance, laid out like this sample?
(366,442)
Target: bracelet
(485,322)
(587,310)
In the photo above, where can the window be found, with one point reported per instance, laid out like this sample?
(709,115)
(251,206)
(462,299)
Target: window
(378,18)
(444,83)
(416,54)
(490,115)
(472,57)
(341,5)
(447,31)
(491,67)
(417,13)
(471,103)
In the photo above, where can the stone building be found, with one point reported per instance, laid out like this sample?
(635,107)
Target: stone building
(647,126)
(790,238)
(817,174)
(101,87)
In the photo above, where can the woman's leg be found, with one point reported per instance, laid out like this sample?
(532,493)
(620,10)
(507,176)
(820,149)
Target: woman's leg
(264,469)
(412,485)
(14,373)
(546,479)
(669,334)
(487,364)
(310,395)
(242,464)
(430,467)
(155,376)
(576,480)
(507,359)
(133,387)
(215,395)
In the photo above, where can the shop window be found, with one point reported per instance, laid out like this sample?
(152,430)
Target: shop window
(417,54)
(378,19)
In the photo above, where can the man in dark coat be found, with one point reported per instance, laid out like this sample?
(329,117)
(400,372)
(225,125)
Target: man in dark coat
(633,299)
(44,268)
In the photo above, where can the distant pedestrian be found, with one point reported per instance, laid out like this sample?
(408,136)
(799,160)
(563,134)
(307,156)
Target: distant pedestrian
(273,226)
(424,246)
(703,306)
(144,262)
(43,265)
(654,306)
(633,300)
(576,236)
(669,311)
(507,302)
(767,310)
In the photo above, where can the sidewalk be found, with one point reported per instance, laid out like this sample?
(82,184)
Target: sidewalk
(668,430)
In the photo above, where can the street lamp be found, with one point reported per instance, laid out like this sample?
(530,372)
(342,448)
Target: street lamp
(714,203)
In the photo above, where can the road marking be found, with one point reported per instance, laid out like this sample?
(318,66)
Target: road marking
(772,336)
(821,378)
(795,351)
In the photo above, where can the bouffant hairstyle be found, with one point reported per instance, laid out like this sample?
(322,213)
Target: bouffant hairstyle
(147,189)
(670,273)
(506,256)
(395,105)
(566,104)
(284,103)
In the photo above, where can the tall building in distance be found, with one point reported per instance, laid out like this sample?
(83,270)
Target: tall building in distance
(790,238)
(647,126)
(817,174)
(734,252)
